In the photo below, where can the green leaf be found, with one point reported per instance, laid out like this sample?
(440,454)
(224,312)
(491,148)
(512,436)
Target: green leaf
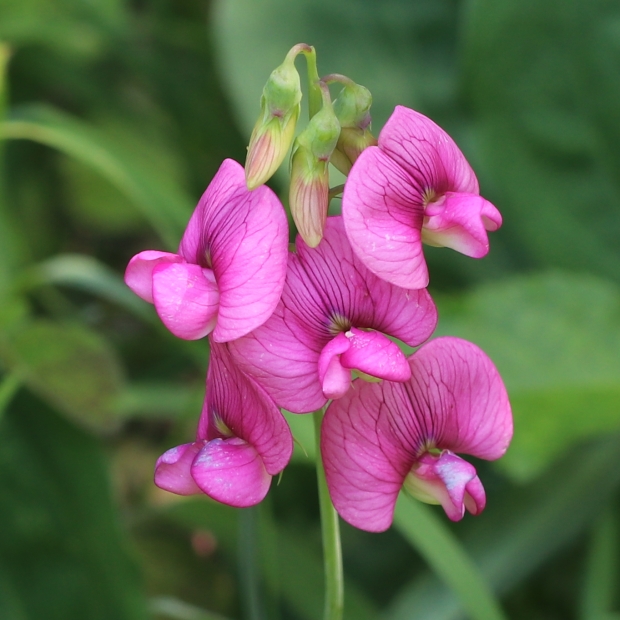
(522,528)
(62,554)
(71,367)
(162,202)
(601,569)
(541,77)
(442,550)
(88,274)
(69,26)
(555,340)
(168,607)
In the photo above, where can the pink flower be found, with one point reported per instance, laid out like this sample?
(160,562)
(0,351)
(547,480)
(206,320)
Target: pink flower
(381,437)
(415,186)
(334,317)
(242,441)
(228,274)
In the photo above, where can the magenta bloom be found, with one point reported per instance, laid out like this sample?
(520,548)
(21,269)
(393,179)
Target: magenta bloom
(380,437)
(229,271)
(334,317)
(242,441)
(415,186)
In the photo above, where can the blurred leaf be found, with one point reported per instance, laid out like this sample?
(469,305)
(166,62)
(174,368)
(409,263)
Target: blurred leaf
(427,534)
(9,384)
(159,399)
(555,340)
(601,569)
(522,528)
(88,274)
(70,26)
(168,607)
(60,543)
(300,574)
(542,78)
(70,366)
(162,202)
(96,202)
(302,428)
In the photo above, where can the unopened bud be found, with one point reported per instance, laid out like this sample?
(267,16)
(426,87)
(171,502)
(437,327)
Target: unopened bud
(353,111)
(275,128)
(309,190)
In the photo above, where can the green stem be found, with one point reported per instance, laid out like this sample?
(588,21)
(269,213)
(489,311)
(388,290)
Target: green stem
(315,96)
(248,564)
(332,553)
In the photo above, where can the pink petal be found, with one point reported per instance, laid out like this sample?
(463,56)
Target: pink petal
(426,152)
(139,272)
(232,472)
(186,299)
(375,355)
(373,436)
(172,470)
(447,480)
(383,213)
(246,411)
(335,380)
(243,236)
(363,476)
(461,222)
(465,406)
(331,281)
(327,291)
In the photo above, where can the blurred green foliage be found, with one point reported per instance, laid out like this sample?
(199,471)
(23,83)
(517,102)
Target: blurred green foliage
(115,115)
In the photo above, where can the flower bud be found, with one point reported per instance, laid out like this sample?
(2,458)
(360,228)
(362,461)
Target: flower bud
(309,190)
(353,111)
(275,128)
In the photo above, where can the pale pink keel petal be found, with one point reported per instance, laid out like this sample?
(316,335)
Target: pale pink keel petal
(376,355)
(382,212)
(186,299)
(139,272)
(447,480)
(335,379)
(172,470)
(426,152)
(461,222)
(232,472)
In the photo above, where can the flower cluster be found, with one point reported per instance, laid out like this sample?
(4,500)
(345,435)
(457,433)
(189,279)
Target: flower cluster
(320,324)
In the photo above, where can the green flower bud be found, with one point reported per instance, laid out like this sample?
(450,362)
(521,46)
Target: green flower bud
(275,128)
(309,190)
(353,111)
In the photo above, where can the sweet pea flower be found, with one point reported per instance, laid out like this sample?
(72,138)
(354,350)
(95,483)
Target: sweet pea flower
(228,274)
(381,437)
(334,318)
(242,441)
(415,186)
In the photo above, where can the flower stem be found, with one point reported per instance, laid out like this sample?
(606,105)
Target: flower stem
(248,563)
(332,553)
(315,97)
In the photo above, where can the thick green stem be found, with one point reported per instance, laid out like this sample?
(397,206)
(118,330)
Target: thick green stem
(248,563)
(315,96)
(332,553)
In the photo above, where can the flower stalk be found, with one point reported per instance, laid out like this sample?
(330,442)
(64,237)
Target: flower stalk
(332,551)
